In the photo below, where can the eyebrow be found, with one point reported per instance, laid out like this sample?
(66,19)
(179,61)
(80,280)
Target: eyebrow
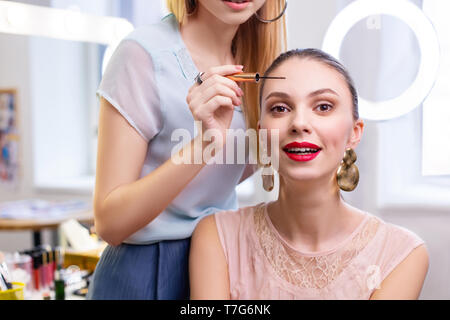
(314,93)
(278,94)
(320,91)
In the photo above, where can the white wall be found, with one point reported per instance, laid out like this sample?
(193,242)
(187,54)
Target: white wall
(16,73)
(16,76)
(30,66)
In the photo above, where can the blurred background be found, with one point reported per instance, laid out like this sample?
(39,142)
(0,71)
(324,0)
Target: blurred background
(48,118)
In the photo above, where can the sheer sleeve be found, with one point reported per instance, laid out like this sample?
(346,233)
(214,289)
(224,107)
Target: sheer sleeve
(129,84)
(400,243)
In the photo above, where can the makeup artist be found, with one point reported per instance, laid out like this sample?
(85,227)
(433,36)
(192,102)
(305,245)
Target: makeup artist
(161,78)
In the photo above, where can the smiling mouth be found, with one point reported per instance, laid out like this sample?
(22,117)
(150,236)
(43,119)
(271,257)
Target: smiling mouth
(301,150)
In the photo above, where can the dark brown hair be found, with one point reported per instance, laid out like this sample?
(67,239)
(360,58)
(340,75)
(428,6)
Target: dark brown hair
(320,56)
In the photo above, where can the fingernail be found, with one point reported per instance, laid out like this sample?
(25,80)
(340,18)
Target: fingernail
(240,67)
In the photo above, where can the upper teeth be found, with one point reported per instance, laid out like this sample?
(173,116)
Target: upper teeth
(301,150)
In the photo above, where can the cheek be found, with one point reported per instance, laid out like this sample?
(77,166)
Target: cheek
(271,122)
(334,136)
(270,135)
(273,129)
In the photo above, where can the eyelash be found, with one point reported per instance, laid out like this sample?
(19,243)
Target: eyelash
(318,106)
(277,107)
(325,104)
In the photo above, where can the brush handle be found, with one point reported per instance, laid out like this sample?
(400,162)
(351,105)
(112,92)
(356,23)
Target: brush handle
(244,77)
(5,272)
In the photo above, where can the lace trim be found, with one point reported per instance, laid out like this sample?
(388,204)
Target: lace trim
(304,271)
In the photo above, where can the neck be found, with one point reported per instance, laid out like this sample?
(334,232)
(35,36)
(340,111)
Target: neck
(310,213)
(208,39)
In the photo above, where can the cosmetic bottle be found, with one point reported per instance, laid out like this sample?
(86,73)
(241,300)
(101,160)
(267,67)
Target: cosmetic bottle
(37,263)
(43,273)
(51,267)
(59,285)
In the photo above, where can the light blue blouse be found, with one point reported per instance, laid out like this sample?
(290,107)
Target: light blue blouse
(147,81)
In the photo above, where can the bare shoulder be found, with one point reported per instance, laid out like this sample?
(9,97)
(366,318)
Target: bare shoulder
(405,282)
(416,262)
(221,226)
(205,240)
(209,253)
(206,229)
(208,268)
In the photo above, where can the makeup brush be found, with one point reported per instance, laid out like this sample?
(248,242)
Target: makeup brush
(249,77)
(4,274)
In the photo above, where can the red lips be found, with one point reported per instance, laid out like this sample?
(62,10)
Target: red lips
(301,157)
(301,145)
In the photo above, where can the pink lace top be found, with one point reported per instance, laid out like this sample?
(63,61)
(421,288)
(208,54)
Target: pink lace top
(262,265)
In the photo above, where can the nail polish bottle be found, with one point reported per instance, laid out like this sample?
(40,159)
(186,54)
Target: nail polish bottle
(59,285)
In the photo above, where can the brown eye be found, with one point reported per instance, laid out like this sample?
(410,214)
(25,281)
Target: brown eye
(324,107)
(279,109)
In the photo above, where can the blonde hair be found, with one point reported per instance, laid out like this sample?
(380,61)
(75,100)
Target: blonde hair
(255,46)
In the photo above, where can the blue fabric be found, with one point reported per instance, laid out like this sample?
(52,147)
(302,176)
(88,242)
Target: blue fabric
(213,189)
(157,271)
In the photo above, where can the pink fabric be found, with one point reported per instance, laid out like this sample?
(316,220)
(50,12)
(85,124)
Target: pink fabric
(262,265)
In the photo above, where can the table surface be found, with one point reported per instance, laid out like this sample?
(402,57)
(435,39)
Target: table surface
(39,224)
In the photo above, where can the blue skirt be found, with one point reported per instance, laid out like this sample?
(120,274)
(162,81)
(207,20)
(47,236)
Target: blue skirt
(156,271)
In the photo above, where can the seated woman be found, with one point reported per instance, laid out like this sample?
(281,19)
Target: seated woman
(308,244)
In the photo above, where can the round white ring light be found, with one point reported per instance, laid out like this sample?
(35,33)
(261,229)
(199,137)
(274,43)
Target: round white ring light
(428,43)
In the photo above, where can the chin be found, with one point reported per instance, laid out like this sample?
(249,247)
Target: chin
(307,174)
(236,19)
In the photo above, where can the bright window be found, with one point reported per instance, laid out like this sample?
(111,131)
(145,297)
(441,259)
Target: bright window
(64,77)
(436,109)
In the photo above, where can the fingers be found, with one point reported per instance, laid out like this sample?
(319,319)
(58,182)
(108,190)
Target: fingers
(204,100)
(219,72)
(215,91)
(223,97)
(211,106)
(218,79)
(218,101)
(222,89)
(214,82)
(222,71)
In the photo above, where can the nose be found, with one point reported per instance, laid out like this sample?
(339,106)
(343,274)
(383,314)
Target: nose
(300,122)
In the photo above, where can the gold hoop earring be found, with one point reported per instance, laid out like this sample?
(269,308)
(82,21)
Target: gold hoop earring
(272,20)
(348,173)
(191,6)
